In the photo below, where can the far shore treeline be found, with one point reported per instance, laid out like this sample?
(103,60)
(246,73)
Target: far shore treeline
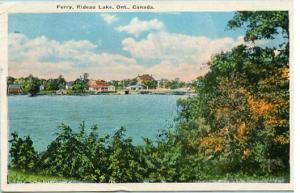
(38,86)
(235,128)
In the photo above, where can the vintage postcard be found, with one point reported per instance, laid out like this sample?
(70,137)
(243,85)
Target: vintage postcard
(146,96)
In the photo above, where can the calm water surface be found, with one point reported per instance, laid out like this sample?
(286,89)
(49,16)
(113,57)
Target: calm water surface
(141,115)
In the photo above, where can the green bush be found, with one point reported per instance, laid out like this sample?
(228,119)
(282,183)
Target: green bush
(23,155)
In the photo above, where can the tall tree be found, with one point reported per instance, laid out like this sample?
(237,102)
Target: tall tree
(31,85)
(244,99)
(10,80)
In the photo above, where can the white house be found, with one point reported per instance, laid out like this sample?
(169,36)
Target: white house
(69,85)
(134,87)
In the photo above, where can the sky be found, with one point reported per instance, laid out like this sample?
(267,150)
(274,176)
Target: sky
(115,46)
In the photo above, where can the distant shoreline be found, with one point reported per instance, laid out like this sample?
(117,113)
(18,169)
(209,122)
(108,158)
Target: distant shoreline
(102,94)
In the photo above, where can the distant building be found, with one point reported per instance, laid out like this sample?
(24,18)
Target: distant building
(42,87)
(134,87)
(145,77)
(69,85)
(100,86)
(14,89)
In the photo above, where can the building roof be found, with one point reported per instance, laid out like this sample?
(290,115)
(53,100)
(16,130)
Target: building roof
(17,86)
(145,77)
(97,83)
(70,83)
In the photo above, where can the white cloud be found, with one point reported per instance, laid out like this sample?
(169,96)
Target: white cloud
(137,26)
(171,46)
(179,55)
(162,54)
(41,48)
(49,58)
(109,18)
(183,71)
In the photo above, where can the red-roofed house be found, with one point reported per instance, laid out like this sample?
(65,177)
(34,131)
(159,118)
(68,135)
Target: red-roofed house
(145,77)
(100,86)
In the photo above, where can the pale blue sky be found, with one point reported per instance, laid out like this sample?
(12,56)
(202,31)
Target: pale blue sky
(118,45)
(90,26)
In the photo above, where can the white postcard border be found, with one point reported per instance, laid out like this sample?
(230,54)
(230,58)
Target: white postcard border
(160,6)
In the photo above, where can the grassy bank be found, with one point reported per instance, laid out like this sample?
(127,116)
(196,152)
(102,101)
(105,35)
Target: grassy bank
(18,176)
(244,178)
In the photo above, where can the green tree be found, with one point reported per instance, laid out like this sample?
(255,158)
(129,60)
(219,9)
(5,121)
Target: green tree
(116,83)
(61,82)
(149,84)
(86,76)
(261,24)
(23,155)
(54,84)
(163,158)
(31,85)
(124,159)
(10,80)
(128,82)
(80,85)
(244,101)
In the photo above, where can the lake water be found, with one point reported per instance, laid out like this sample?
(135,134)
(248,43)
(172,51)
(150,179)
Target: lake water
(141,115)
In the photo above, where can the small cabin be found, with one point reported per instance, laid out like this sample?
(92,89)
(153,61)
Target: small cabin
(134,87)
(14,89)
(69,85)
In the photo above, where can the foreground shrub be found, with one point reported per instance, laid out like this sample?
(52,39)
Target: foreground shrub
(23,156)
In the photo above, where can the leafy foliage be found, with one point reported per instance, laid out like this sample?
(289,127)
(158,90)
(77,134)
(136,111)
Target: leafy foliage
(81,156)
(80,85)
(244,101)
(54,84)
(23,155)
(149,84)
(261,24)
(31,85)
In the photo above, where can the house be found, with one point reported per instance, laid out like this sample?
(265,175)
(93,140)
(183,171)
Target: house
(134,87)
(145,77)
(41,87)
(14,89)
(100,86)
(69,85)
